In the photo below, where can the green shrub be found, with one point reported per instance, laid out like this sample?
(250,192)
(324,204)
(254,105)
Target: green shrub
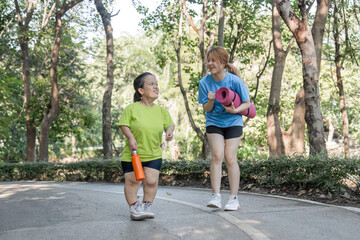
(326,174)
(95,170)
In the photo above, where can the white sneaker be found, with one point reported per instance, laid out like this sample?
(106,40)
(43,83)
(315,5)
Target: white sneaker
(232,204)
(147,209)
(137,212)
(214,201)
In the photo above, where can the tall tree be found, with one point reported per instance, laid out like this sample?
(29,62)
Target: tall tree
(274,130)
(310,44)
(339,59)
(52,112)
(292,141)
(206,151)
(106,110)
(23,36)
(206,15)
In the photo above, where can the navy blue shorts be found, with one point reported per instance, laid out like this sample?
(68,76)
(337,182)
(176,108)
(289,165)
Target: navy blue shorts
(227,133)
(156,164)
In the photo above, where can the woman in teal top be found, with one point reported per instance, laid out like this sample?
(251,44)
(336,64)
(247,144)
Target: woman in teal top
(223,124)
(143,124)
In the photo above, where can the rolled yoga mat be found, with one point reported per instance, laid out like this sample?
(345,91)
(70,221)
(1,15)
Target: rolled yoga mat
(226,96)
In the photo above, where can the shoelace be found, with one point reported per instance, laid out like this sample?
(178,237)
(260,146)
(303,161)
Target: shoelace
(147,205)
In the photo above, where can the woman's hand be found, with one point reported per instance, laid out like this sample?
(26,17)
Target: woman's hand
(210,104)
(169,133)
(243,106)
(230,109)
(211,95)
(169,136)
(132,141)
(133,144)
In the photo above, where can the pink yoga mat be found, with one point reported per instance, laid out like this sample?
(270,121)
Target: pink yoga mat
(226,96)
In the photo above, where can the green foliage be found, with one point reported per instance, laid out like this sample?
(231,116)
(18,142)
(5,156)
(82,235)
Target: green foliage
(94,170)
(82,74)
(196,168)
(349,58)
(12,129)
(326,174)
(316,172)
(246,23)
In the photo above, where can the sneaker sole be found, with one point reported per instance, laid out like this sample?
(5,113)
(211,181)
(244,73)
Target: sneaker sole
(139,217)
(150,216)
(231,209)
(213,206)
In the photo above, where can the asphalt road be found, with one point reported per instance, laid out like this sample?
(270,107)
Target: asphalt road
(52,210)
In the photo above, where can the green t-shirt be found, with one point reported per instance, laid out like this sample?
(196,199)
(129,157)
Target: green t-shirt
(147,124)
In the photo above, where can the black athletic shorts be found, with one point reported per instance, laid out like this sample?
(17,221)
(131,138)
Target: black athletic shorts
(227,133)
(156,164)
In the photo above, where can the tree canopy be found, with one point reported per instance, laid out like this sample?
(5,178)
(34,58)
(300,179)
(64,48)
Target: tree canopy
(26,94)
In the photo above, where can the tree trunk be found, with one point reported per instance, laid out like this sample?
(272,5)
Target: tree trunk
(274,131)
(73,146)
(294,137)
(106,111)
(221,24)
(313,115)
(53,112)
(340,85)
(317,31)
(282,142)
(305,40)
(24,45)
(331,130)
(30,123)
(202,51)
(206,151)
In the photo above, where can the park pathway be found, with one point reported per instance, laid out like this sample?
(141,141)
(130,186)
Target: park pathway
(61,211)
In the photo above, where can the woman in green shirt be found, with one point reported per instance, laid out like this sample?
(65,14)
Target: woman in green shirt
(143,124)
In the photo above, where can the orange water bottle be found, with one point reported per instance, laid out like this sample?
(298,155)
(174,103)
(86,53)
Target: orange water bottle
(137,166)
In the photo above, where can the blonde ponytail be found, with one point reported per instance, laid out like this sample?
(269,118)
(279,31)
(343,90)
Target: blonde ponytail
(232,69)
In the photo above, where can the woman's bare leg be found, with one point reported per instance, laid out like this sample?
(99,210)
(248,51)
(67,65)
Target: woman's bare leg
(131,188)
(216,142)
(231,147)
(150,184)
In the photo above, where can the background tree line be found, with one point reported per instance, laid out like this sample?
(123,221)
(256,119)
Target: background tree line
(65,79)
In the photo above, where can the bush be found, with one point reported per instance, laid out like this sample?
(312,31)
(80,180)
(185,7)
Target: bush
(326,174)
(95,170)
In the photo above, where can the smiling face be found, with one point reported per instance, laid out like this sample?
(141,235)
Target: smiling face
(217,59)
(150,90)
(214,65)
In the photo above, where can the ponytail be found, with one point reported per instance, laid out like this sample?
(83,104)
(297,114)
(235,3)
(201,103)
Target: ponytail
(137,97)
(232,69)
